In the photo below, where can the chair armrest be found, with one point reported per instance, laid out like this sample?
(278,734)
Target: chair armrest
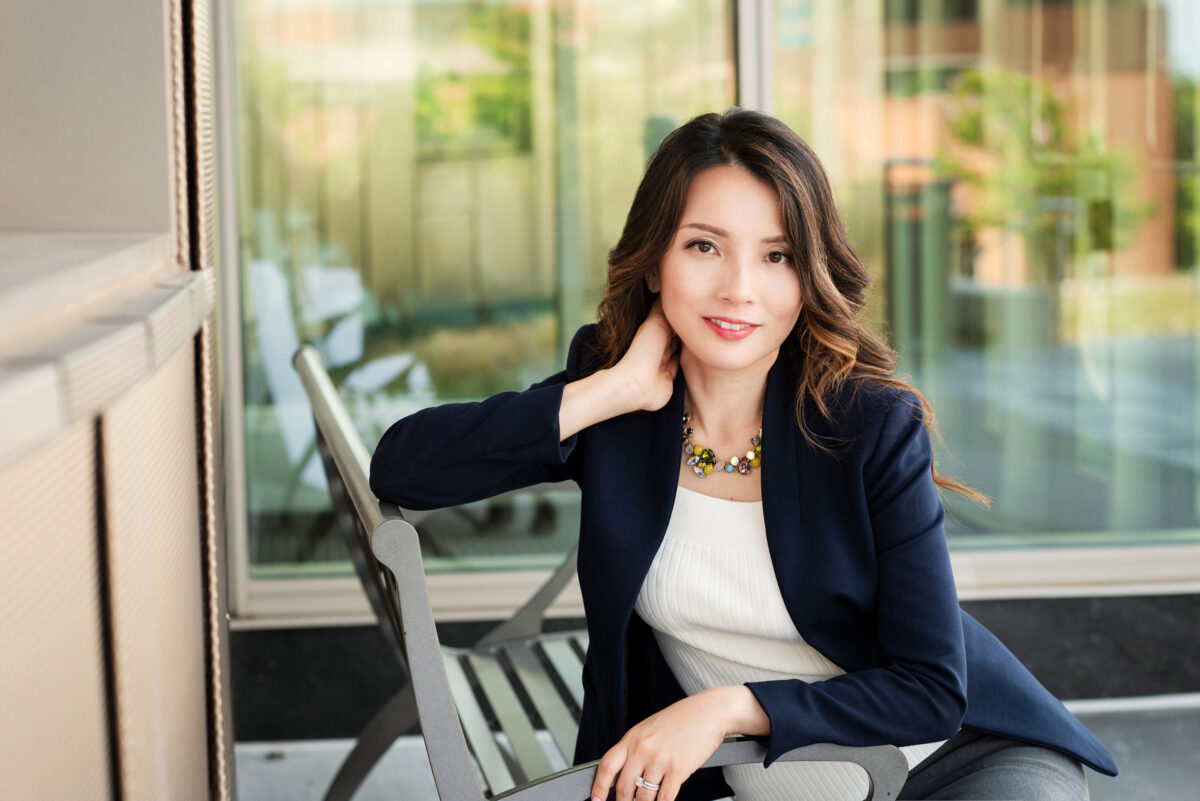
(885,765)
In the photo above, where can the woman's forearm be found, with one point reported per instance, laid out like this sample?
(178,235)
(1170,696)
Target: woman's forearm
(590,400)
(738,710)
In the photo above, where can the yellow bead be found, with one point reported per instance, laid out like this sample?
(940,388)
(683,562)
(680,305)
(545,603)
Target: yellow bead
(733,460)
(755,462)
(708,468)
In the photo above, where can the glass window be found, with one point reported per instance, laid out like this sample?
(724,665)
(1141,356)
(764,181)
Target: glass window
(428,191)
(1022,179)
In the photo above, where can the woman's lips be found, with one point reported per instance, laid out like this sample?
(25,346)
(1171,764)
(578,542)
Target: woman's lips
(734,330)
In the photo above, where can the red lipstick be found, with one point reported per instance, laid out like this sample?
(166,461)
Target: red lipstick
(732,329)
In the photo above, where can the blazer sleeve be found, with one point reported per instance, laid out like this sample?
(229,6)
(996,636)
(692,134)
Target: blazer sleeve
(917,691)
(461,452)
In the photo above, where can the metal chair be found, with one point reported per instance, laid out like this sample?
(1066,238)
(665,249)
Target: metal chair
(485,705)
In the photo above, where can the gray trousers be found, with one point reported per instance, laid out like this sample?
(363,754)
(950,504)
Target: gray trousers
(979,767)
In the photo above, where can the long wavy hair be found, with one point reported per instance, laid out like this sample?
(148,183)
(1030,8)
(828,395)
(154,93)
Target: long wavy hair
(829,350)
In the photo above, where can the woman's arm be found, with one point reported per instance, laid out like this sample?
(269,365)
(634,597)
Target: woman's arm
(603,394)
(670,745)
(644,378)
(918,692)
(460,452)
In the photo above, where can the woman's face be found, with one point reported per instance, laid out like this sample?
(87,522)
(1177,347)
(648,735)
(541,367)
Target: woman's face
(728,284)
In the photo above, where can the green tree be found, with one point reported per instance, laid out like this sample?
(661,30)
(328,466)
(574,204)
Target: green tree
(1063,191)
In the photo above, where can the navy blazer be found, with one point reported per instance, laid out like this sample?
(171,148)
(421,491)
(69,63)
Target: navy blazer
(856,541)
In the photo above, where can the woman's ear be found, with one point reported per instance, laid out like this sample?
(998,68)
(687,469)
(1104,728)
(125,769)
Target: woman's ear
(652,282)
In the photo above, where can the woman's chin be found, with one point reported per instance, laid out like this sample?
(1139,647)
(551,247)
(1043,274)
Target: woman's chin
(729,360)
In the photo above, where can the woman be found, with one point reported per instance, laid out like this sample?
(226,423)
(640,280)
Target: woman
(785,574)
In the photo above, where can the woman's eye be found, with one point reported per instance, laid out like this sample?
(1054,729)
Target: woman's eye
(701,245)
(778,257)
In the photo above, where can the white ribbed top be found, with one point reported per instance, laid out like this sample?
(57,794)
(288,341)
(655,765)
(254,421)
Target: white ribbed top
(714,604)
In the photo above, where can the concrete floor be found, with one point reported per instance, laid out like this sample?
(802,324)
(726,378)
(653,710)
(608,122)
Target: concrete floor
(1153,740)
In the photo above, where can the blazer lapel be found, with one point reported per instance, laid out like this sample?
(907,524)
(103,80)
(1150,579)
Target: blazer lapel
(788,460)
(651,493)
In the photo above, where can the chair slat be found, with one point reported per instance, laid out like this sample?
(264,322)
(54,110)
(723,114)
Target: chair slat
(566,663)
(531,759)
(546,699)
(475,727)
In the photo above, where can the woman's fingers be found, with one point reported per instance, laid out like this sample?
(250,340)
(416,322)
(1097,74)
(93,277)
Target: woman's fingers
(646,759)
(627,789)
(645,793)
(669,789)
(622,766)
(651,363)
(606,772)
(671,357)
(664,749)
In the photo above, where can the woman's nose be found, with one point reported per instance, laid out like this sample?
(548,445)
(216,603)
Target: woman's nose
(737,280)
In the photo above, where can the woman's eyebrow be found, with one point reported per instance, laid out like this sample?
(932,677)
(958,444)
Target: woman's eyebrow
(712,229)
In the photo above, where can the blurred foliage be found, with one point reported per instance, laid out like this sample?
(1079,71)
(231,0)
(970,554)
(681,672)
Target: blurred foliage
(913,81)
(1130,307)
(478,362)
(1034,173)
(1187,191)
(913,12)
(468,114)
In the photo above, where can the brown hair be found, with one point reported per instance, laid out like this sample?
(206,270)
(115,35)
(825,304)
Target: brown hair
(829,347)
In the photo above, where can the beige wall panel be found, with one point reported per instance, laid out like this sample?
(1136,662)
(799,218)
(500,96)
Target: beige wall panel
(168,317)
(85,138)
(31,408)
(53,731)
(158,619)
(97,362)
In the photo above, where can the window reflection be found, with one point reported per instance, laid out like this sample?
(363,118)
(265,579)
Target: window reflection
(428,192)
(1022,177)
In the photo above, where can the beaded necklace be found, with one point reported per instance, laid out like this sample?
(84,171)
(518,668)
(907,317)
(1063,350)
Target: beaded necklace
(705,462)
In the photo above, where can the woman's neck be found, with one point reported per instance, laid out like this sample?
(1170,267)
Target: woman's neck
(724,404)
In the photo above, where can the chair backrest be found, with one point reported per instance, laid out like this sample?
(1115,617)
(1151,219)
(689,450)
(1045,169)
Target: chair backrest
(378,533)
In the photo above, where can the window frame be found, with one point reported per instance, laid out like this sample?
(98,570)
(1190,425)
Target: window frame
(987,573)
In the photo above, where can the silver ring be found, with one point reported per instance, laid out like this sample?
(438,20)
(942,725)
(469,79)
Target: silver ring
(640,782)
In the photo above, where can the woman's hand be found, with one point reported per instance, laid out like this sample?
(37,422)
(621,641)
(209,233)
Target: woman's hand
(643,379)
(670,745)
(663,749)
(648,368)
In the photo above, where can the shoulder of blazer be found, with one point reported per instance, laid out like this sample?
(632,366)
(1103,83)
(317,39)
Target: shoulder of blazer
(874,402)
(863,412)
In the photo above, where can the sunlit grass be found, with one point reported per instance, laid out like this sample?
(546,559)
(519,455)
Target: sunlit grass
(1126,307)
